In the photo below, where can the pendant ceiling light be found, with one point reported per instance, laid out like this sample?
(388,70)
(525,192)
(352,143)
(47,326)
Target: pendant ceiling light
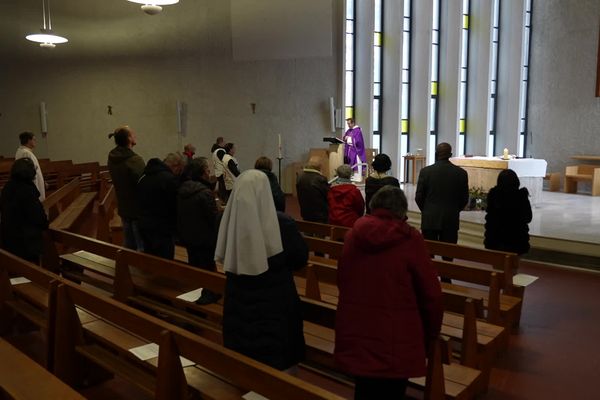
(153,7)
(47,39)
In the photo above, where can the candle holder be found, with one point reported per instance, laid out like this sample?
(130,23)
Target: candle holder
(279,169)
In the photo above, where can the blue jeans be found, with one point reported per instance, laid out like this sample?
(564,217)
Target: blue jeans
(131,235)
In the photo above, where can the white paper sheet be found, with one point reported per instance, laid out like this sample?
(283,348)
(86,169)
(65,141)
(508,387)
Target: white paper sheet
(524,279)
(191,296)
(150,350)
(253,396)
(19,280)
(146,351)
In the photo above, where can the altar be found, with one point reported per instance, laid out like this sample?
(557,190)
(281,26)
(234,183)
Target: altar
(483,172)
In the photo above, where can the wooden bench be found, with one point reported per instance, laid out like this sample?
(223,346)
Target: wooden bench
(553,179)
(152,284)
(76,213)
(106,212)
(220,374)
(582,173)
(21,378)
(86,172)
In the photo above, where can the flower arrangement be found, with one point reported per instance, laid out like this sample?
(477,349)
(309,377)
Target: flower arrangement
(477,199)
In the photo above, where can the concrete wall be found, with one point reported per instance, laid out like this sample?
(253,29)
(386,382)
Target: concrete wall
(291,97)
(564,115)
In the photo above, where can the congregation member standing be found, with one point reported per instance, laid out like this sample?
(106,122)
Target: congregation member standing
(260,248)
(218,152)
(312,189)
(265,165)
(219,143)
(354,148)
(22,216)
(344,200)
(379,178)
(157,197)
(197,216)
(230,169)
(28,143)
(442,193)
(188,151)
(390,301)
(125,168)
(508,214)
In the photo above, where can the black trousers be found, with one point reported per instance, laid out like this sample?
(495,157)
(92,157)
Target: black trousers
(158,243)
(379,388)
(202,257)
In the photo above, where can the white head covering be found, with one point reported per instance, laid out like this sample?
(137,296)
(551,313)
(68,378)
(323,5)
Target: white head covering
(249,230)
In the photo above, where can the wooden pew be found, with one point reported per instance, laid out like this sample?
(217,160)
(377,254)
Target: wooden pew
(86,172)
(106,212)
(21,378)
(67,208)
(52,171)
(139,277)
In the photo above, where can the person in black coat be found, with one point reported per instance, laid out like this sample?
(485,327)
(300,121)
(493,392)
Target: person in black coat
(157,197)
(260,248)
(508,214)
(312,188)
(378,179)
(265,165)
(442,192)
(197,216)
(22,216)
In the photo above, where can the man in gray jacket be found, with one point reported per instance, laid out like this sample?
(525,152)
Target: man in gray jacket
(442,192)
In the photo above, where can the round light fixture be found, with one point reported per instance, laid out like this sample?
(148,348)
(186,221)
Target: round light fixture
(47,39)
(153,7)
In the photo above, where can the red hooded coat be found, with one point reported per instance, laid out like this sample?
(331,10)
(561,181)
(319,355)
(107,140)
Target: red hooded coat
(390,300)
(345,203)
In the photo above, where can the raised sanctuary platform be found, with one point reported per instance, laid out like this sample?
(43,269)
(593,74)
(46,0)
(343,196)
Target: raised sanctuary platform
(483,172)
(564,229)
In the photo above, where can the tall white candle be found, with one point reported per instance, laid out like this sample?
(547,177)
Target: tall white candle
(279,148)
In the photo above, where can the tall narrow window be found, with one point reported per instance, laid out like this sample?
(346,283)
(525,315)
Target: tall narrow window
(349,61)
(492,106)
(525,80)
(464,64)
(404,123)
(377,75)
(435,57)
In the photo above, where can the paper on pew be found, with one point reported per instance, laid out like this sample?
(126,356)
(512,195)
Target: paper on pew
(253,396)
(19,280)
(150,350)
(524,279)
(191,296)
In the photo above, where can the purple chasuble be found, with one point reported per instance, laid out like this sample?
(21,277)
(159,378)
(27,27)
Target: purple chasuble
(356,148)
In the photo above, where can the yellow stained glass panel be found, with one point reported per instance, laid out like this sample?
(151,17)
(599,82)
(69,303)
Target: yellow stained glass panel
(349,112)
(404,126)
(465,22)
(434,88)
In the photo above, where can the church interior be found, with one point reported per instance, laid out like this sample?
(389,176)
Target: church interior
(276,77)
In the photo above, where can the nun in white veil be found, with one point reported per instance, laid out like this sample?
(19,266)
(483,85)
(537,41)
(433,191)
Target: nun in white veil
(260,248)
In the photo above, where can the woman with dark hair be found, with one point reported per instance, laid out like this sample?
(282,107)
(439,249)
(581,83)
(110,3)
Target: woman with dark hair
(379,178)
(390,301)
(265,165)
(22,216)
(126,168)
(508,215)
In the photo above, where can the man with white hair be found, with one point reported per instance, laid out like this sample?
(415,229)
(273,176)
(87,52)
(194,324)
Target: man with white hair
(157,194)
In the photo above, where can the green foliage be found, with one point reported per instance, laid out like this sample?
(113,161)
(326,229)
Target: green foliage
(477,199)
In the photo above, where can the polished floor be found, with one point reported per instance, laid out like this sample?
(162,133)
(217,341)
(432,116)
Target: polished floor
(558,215)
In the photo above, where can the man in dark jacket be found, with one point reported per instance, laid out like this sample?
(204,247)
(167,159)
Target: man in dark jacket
(197,216)
(22,216)
(312,188)
(157,193)
(442,192)
(125,168)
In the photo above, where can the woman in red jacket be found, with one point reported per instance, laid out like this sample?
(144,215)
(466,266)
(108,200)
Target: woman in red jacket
(344,200)
(390,300)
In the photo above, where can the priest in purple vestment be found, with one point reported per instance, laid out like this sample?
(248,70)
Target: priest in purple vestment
(354,149)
